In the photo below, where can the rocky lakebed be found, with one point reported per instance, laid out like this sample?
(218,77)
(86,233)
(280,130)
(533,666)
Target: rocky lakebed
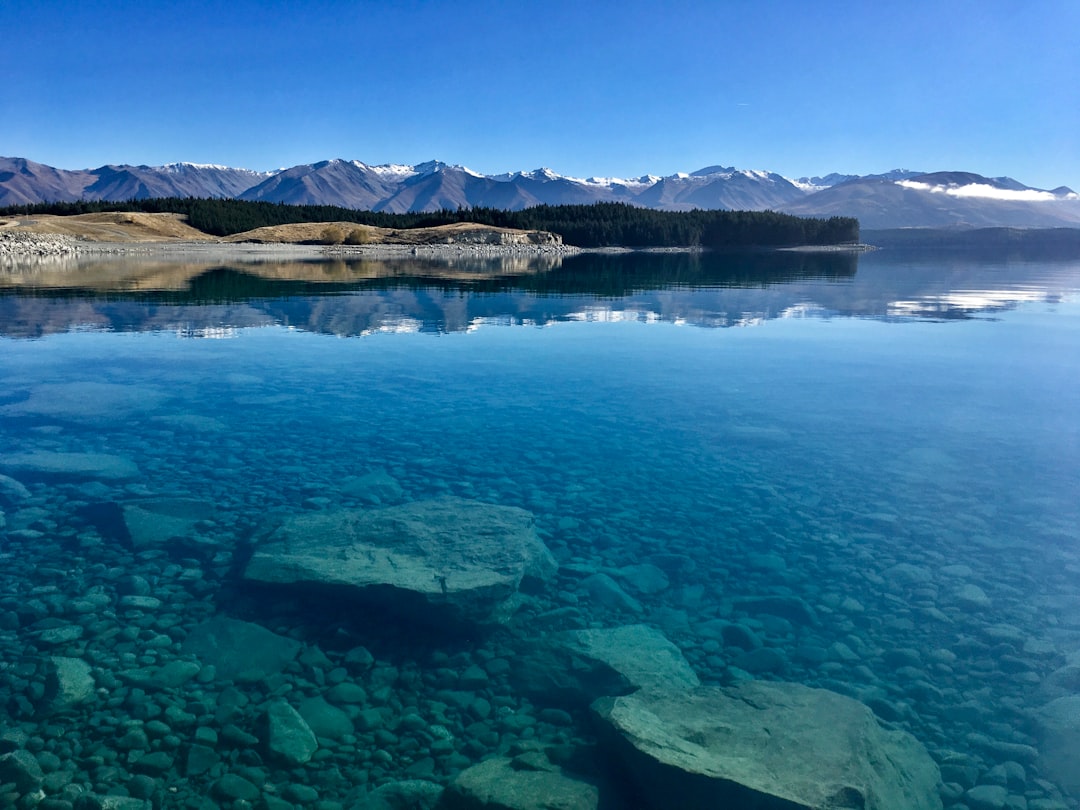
(151,661)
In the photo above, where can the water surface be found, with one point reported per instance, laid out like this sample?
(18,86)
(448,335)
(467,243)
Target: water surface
(890,438)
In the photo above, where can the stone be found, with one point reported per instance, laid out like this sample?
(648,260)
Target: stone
(132,602)
(239,650)
(641,654)
(86,401)
(61,635)
(141,786)
(605,591)
(473,678)
(155,763)
(361,658)
(407,794)
(972,597)
(578,666)
(791,608)
(447,559)
(12,739)
(123,803)
(200,759)
(908,574)
(731,634)
(325,720)
(347,693)
(232,788)
(69,683)
(370,719)
(376,487)
(289,738)
(134,739)
(12,489)
(1062,682)
(501,784)
(171,676)
(645,578)
(301,794)
(71,465)
(764,744)
(1058,724)
(21,769)
(152,522)
(986,797)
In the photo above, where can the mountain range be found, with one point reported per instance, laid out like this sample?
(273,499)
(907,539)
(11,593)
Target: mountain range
(897,199)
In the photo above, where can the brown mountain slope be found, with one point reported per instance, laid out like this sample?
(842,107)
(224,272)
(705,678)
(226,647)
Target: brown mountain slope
(112,227)
(144,228)
(351,233)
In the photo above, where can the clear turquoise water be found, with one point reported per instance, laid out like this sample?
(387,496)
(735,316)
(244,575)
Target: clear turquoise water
(798,431)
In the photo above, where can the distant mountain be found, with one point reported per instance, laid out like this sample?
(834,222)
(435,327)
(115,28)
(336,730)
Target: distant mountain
(24,181)
(943,200)
(896,199)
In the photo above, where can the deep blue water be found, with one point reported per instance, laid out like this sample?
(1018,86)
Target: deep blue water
(870,435)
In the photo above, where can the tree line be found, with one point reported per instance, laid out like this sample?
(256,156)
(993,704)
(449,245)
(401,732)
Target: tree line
(602,224)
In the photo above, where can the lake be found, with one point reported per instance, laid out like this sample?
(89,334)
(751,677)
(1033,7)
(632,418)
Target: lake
(856,472)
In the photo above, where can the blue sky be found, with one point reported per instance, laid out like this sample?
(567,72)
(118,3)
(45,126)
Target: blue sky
(584,88)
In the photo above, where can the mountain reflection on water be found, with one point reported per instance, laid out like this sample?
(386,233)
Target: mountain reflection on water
(360,297)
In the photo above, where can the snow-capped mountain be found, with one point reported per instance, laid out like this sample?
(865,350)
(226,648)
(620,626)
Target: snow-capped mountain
(24,181)
(898,198)
(942,200)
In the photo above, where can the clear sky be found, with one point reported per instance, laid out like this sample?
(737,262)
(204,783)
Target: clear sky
(586,87)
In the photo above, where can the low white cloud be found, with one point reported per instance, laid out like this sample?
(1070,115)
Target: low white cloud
(984,191)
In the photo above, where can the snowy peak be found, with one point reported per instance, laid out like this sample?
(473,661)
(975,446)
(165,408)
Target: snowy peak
(903,199)
(896,198)
(968,185)
(190,168)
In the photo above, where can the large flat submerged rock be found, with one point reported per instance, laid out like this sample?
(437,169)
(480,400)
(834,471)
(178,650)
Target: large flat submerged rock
(450,558)
(775,746)
(72,465)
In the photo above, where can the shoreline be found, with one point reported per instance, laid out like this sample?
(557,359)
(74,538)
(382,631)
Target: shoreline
(22,244)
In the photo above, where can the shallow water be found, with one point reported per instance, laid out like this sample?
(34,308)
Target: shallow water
(890,438)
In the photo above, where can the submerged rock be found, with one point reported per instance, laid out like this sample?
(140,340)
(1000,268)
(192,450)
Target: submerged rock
(154,521)
(1059,741)
(792,608)
(605,591)
(509,784)
(69,683)
(447,559)
(764,744)
(21,769)
(71,465)
(289,738)
(642,654)
(376,487)
(86,401)
(325,720)
(240,650)
(407,794)
(578,666)
(12,489)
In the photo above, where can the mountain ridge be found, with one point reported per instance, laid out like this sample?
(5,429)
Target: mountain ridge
(893,199)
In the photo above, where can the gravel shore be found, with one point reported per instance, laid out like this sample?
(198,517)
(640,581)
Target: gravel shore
(19,244)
